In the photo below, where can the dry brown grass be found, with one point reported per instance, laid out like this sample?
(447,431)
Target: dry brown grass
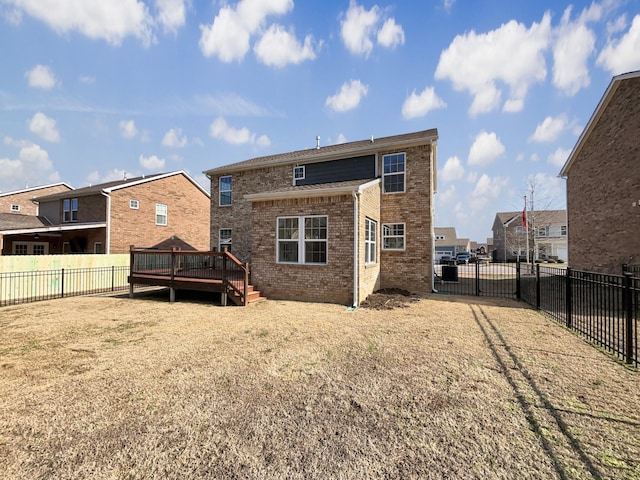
(108,387)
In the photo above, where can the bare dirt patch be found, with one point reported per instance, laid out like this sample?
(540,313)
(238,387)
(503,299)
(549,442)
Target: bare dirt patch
(389,298)
(108,387)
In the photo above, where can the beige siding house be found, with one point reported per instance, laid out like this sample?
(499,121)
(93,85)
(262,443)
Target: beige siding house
(331,224)
(603,182)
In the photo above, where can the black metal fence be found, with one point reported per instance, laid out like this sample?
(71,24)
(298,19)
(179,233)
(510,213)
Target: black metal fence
(33,286)
(480,279)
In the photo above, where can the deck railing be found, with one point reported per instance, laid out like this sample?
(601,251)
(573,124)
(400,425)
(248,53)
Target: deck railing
(222,267)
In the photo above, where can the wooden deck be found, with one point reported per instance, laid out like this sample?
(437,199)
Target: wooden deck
(189,270)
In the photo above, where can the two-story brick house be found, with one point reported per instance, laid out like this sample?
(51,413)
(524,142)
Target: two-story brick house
(334,223)
(603,182)
(109,217)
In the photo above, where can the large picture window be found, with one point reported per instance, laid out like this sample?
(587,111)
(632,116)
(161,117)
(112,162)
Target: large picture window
(393,236)
(70,210)
(370,242)
(310,247)
(393,173)
(225,191)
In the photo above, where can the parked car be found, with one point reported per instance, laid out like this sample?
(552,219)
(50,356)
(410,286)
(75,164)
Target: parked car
(463,258)
(446,260)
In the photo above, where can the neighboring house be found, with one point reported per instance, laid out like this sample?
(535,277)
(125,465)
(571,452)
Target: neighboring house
(20,201)
(547,235)
(112,216)
(445,241)
(331,224)
(603,182)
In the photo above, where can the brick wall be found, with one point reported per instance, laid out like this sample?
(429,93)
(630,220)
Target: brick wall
(27,207)
(602,185)
(187,214)
(410,269)
(368,275)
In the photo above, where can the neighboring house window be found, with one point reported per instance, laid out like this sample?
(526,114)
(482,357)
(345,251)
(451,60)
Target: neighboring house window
(308,248)
(518,229)
(393,173)
(15,208)
(541,232)
(225,191)
(38,249)
(298,173)
(20,248)
(70,210)
(134,204)
(30,248)
(393,236)
(563,230)
(370,243)
(161,214)
(224,238)
(438,237)
(97,247)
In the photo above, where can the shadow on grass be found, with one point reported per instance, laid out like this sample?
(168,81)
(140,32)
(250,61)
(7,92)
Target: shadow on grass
(490,331)
(161,294)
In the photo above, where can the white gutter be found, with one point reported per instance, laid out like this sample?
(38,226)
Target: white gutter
(108,239)
(356,198)
(55,228)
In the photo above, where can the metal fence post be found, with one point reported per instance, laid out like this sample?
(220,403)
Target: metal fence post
(629,320)
(569,297)
(477,278)
(113,278)
(537,286)
(518,291)
(62,285)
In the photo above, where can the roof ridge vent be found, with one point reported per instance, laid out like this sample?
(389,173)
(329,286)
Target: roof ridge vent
(318,142)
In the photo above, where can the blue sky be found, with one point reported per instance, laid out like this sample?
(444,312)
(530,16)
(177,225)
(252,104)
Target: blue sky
(91,89)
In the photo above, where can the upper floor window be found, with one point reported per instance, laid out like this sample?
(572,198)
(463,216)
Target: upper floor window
(438,237)
(393,173)
(298,172)
(370,240)
(134,204)
(393,236)
(70,210)
(310,247)
(15,208)
(541,232)
(563,230)
(161,214)
(225,191)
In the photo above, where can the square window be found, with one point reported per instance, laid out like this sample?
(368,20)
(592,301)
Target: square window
(161,214)
(15,208)
(298,172)
(134,204)
(225,191)
(393,173)
(393,236)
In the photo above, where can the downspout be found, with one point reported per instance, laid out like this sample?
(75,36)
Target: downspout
(107,250)
(433,228)
(356,198)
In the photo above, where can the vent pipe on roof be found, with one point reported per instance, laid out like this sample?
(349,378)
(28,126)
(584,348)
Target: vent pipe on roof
(371,138)
(318,142)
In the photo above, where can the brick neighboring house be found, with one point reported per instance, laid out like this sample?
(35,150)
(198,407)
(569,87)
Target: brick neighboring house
(331,224)
(109,217)
(547,235)
(603,182)
(20,201)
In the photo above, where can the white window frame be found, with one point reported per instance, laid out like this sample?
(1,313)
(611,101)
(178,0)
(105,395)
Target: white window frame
(301,240)
(403,172)
(134,204)
(69,213)
(160,214)
(15,207)
(299,173)
(30,248)
(228,191)
(386,235)
(370,241)
(542,231)
(222,244)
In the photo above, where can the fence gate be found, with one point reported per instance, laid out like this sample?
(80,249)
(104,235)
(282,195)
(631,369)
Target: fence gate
(479,279)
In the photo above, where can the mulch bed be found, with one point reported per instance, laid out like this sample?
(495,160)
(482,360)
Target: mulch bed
(389,298)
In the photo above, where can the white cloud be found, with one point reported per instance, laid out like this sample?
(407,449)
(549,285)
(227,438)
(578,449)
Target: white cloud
(110,21)
(278,48)
(229,35)
(171,14)
(622,55)
(151,163)
(485,149)
(485,190)
(574,45)
(452,170)
(174,138)
(41,76)
(359,26)
(520,157)
(549,129)
(391,34)
(44,127)
(617,25)
(559,157)
(32,166)
(236,136)
(128,128)
(87,79)
(111,176)
(448,4)
(448,196)
(348,97)
(341,139)
(512,54)
(418,105)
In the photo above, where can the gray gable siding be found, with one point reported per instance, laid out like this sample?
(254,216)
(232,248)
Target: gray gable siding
(343,170)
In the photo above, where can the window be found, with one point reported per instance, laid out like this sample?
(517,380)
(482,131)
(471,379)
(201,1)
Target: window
(97,248)
(298,173)
(393,173)
(20,249)
(370,243)
(30,248)
(38,249)
(225,191)
(393,236)
(134,204)
(66,247)
(309,248)
(563,230)
(15,208)
(518,229)
(224,239)
(70,210)
(161,214)
(541,232)
(438,237)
